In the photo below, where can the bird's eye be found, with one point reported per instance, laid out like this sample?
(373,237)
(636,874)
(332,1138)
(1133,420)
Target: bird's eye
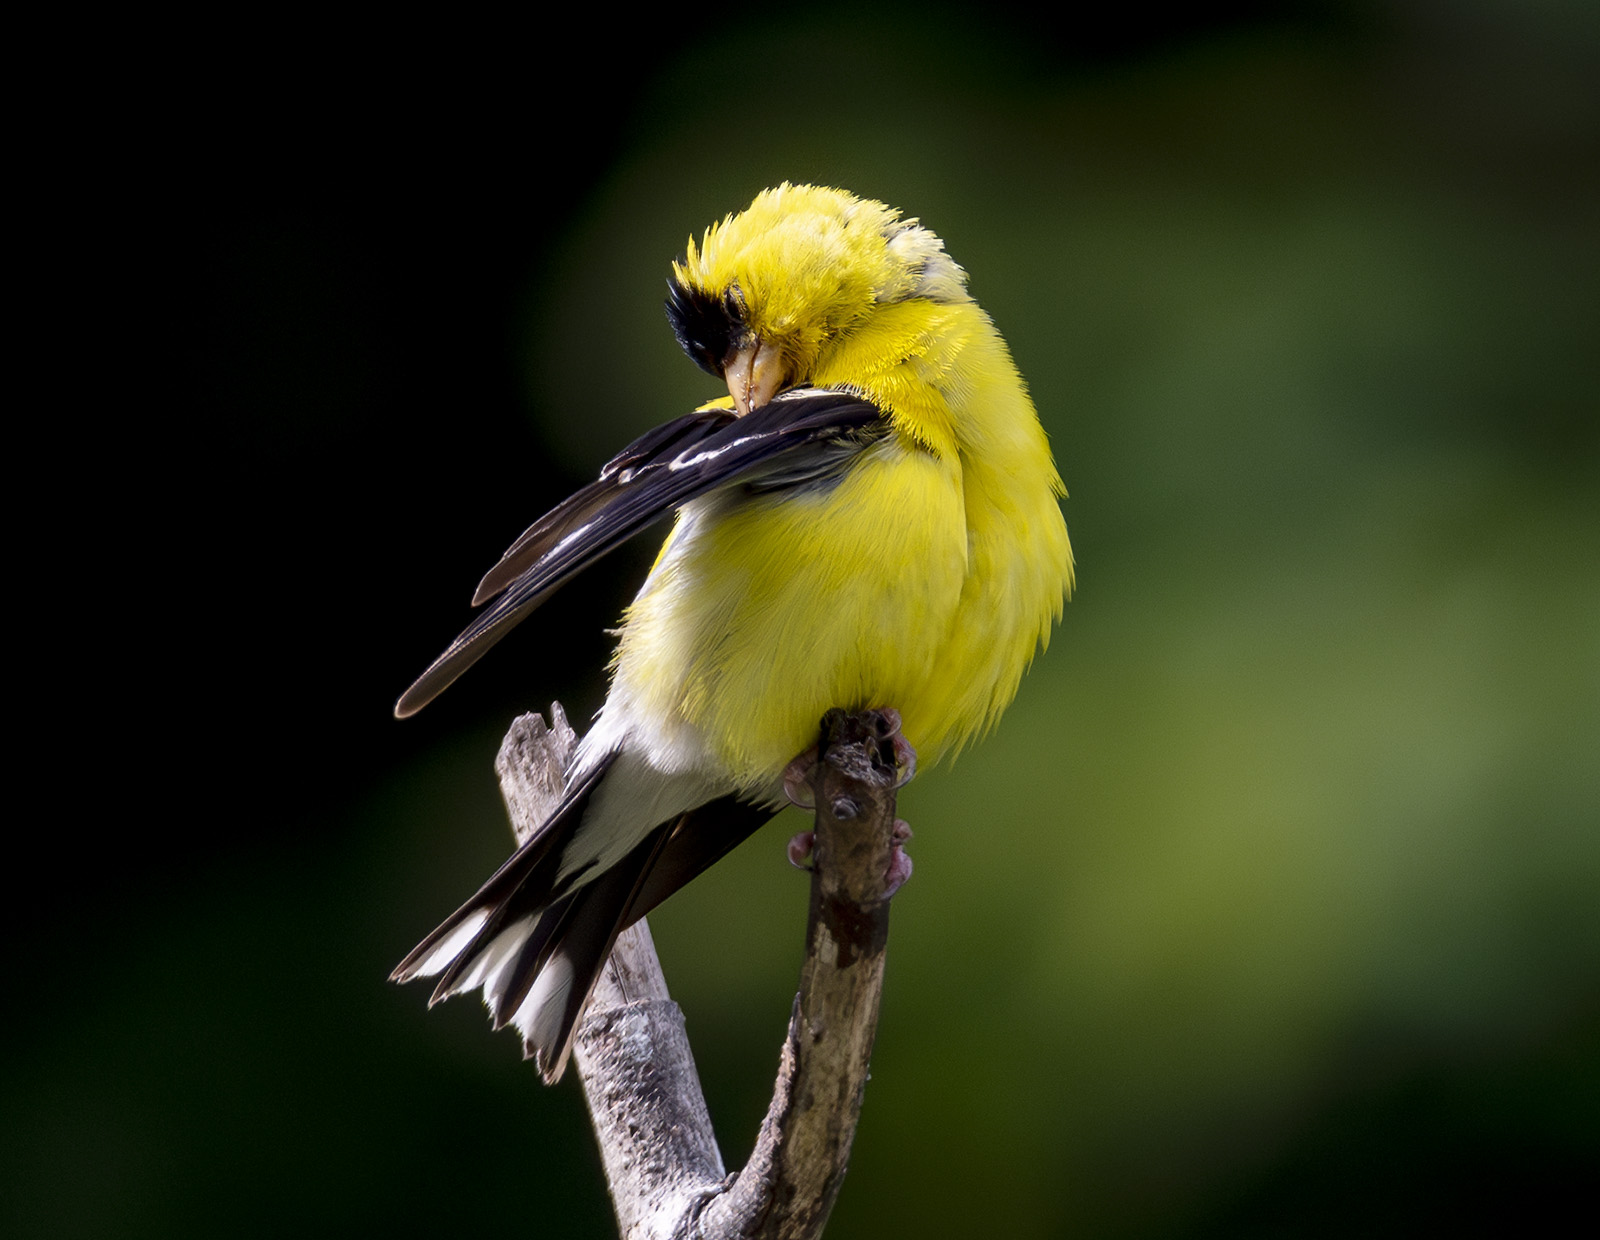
(707,326)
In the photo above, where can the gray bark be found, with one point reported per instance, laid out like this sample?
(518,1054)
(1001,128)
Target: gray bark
(656,1141)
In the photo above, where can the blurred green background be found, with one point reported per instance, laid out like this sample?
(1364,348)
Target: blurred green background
(1273,906)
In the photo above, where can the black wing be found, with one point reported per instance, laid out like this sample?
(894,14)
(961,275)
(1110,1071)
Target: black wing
(792,439)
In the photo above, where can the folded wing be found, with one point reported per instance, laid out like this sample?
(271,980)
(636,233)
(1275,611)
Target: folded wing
(793,439)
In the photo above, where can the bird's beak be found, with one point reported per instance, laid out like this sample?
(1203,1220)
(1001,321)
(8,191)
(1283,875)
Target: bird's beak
(754,375)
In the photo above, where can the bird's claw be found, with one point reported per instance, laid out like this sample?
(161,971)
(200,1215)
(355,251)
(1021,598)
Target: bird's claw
(800,788)
(899,868)
(905,759)
(797,780)
(899,752)
(890,749)
(803,843)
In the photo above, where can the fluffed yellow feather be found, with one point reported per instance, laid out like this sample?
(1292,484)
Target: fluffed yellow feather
(910,553)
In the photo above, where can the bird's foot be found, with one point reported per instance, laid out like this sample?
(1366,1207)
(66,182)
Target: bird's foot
(800,846)
(905,759)
(899,869)
(876,753)
(798,786)
(900,752)
(803,843)
(799,775)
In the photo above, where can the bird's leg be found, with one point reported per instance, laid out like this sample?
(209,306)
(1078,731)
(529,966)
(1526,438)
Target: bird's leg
(799,783)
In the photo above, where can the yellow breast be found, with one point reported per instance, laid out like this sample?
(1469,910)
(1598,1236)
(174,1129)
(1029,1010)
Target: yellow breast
(764,612)
(923,579)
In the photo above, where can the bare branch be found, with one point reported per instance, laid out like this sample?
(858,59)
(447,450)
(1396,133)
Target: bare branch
(644,1095)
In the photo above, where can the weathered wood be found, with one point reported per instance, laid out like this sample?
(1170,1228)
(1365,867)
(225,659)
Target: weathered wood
(657,1144)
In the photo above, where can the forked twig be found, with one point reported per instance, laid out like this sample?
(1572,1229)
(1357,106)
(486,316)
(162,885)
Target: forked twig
(660,1153)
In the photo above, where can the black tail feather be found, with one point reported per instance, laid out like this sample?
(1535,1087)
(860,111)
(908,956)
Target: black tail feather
(532,955)
(702,837)
(588,931)
(577,926)
(516,889)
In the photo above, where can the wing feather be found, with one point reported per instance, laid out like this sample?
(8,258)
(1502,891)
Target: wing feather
(794,438)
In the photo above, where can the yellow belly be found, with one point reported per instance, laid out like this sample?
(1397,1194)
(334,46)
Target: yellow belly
(765,611)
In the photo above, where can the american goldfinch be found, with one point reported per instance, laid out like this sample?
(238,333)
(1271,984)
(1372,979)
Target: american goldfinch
(870,517)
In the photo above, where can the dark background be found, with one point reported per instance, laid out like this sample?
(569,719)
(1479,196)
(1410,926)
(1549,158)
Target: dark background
(1269,909)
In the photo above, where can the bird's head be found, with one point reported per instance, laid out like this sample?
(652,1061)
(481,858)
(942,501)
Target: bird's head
(771,293)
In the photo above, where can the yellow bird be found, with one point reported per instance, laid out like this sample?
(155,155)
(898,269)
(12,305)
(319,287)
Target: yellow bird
(871,517)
